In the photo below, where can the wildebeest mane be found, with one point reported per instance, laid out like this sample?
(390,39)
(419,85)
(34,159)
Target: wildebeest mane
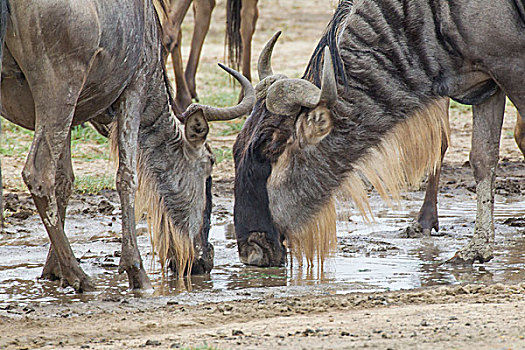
(161,10)
(314,69)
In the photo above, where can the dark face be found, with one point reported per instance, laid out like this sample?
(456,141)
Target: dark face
(259,241)
(273,182)
(262,153)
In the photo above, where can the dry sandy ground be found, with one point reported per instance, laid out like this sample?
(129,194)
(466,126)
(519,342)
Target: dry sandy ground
(462,317)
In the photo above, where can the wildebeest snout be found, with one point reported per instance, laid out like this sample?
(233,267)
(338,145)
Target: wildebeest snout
(203,262)
(259,250)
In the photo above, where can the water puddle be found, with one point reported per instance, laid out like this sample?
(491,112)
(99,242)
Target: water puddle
(370,257)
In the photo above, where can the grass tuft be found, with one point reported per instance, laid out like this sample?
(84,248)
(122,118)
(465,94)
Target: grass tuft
(222,153)
(94,184)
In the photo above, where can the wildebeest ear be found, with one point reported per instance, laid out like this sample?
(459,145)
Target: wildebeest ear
(196,128)
(314,126)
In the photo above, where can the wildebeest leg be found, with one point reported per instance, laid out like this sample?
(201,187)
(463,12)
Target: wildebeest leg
(427,219)
(202,10)
(519,132)
(63,189)
(53,123)
(172,38)
(249,15)
(486,132)
(171,30)
(183,96)
(129,108)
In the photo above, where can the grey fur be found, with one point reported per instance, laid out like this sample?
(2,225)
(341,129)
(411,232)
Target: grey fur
(398,57)
(67,64)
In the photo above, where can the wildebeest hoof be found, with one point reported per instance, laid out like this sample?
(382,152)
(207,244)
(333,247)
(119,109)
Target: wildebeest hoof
(415,230)
(470,254)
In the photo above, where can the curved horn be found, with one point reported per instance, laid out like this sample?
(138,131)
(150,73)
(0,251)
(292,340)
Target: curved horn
(329,83)
(264,64)
(227,113)
(286,96)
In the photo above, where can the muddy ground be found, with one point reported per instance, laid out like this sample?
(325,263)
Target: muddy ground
(381,290)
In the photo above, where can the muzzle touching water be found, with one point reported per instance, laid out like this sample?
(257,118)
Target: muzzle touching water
(261,250)
(203,262)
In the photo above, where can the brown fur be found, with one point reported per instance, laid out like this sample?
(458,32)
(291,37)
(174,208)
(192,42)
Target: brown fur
(408,152)
(315,239)
(169,243)
(411,150)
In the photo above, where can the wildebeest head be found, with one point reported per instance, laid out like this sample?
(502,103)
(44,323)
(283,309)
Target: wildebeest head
(291,117)
(175,165)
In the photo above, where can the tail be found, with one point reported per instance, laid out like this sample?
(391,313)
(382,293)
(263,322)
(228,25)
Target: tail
(233,41)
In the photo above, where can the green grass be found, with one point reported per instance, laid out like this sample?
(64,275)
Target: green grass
(222,153)
(94,184)
(16,141)
(232,127)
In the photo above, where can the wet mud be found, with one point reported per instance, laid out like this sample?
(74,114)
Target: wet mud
(371,257)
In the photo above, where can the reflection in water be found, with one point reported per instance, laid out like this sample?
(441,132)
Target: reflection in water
(370,257)
(256,277)
(432,271)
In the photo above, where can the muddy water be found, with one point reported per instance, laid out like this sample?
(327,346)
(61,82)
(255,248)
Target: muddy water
(370,257)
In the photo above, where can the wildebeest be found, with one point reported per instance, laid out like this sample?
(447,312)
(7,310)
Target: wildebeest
(380,115)
(241,17)
(67,62)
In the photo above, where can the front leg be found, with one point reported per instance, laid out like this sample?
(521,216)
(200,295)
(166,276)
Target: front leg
(486,132)
(63,190)
(129,109)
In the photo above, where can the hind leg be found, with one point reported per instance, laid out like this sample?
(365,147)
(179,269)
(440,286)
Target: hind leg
(183,95)
(63,189)
(249,16)
(427,218)
(172,39)
(202,10)
(486,132)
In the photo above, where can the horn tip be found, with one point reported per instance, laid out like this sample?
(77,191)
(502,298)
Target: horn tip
(276,36)
(226,68)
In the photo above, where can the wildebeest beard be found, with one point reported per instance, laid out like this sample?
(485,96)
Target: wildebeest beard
(388,126)
(288,192)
